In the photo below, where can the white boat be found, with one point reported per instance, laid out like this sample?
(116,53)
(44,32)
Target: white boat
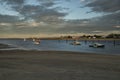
(75,43)
(24,39)
(33,39)
(97,45)
(37,41)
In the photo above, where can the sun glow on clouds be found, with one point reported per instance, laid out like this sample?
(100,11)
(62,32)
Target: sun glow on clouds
(31,24)
(37,24)
(5,24)
(58,17)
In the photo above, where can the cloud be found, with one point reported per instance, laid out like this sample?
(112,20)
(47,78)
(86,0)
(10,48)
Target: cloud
(32,19)
(82,0)
(48,18)
(47,3)
(13,1)
(8,18)
(5,24)
(104,5)
(31,24)
(13,4)
(38,13)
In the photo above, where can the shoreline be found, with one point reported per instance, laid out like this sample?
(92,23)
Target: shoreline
(58,51)
(109,39)
(58,65)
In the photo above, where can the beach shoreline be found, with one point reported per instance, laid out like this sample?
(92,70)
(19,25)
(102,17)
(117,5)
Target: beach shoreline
(58,65)
(58,38)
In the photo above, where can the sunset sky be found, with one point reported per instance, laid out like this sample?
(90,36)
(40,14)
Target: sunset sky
(29,18)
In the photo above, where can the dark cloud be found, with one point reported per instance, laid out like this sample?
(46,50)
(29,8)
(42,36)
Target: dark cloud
(45,12)
(48,18)
(30,9)
(13,1)
(109,21)
(104,5)
(40,13)
(8,19)
(14,5)
(106,22)
(47,3)
(98,24)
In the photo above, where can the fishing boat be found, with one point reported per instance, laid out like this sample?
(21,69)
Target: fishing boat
(97,45)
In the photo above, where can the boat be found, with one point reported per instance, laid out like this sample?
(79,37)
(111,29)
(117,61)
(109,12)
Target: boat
(97,45)
(37,41)
(33,39)
(24,39)
(75,43)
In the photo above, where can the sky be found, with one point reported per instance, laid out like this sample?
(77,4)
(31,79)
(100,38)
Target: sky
(47,18)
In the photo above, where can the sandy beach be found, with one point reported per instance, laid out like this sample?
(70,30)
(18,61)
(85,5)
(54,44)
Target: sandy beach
(58,65)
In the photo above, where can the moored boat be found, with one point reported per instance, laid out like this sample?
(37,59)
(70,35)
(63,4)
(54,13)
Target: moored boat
(97,45)
(24,39)
(37,41)
(75,43)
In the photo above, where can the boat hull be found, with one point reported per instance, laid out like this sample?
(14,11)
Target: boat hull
(97,45)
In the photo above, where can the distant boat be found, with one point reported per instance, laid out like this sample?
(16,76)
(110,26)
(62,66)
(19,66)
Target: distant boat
(75,43)
(97,45)
(24,39)
(37,41)
(33,39)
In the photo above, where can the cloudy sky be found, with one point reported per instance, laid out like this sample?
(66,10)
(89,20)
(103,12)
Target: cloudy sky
(29,18)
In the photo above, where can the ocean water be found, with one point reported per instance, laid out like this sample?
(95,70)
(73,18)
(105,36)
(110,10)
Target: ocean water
(111,47)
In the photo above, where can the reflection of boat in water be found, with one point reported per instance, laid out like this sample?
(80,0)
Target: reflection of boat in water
(97,45)
(75,43)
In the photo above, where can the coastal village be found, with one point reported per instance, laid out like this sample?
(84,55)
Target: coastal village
(110,36)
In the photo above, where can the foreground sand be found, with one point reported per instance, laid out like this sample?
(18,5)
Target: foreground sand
(53,65)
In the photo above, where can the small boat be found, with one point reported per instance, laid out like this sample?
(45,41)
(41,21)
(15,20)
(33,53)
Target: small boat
(24,39)
(75,43)
(97,45)
(37,41)
(33,39)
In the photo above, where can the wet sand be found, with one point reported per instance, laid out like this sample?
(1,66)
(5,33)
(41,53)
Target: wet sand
(55,65)
(4,46)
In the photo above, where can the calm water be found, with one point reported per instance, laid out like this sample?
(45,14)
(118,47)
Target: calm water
(63,45)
